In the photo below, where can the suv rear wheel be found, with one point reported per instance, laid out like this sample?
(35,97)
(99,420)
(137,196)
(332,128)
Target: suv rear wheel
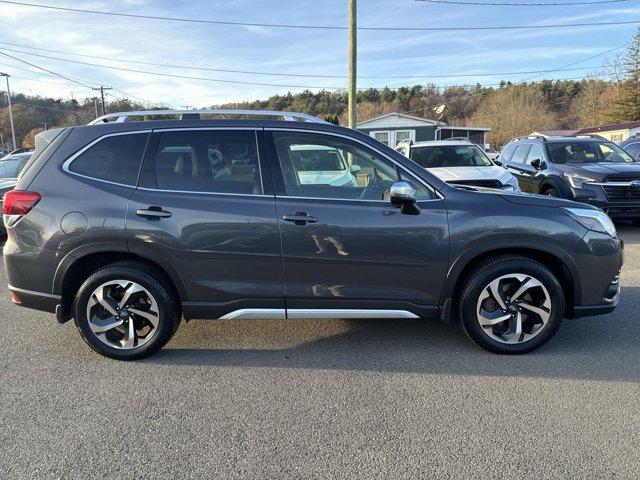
(126,312)
(511,305)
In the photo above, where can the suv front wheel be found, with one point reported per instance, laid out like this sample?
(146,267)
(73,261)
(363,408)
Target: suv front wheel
(126,312)
(511,305)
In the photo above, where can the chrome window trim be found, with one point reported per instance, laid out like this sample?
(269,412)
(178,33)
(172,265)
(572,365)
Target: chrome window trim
(68,161)
(180,129)
(369,147)
(165,190)
(350,199)
(183,129)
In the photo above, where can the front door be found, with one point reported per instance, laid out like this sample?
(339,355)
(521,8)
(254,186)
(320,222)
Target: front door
(345,247)
(206,210)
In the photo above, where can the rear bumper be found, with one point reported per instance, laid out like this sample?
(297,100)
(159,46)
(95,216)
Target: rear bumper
(46,302)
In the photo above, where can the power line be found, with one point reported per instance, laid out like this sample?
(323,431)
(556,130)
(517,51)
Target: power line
(320,27)
(66,78)
(249,72)
(161,74)
(235,82)
(516,4)
(45,70)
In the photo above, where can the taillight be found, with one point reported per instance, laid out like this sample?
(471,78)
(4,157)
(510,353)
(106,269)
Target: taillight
(19,202)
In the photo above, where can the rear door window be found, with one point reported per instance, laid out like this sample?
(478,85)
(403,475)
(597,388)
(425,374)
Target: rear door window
(520,154)
(214,161)
(114,159)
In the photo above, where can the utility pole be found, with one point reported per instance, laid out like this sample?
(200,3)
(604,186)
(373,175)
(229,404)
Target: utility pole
(102,88)
(95,105)
(13,130)
(353,56)
(186,107)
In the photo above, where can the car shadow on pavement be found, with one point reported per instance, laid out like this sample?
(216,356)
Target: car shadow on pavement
(597,348)
(629,232)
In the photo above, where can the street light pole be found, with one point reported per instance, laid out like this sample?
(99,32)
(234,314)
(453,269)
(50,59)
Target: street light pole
(13,130)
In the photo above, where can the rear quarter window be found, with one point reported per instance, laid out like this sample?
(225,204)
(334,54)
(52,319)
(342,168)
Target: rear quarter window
(633,149)
(113,159)
(507,152)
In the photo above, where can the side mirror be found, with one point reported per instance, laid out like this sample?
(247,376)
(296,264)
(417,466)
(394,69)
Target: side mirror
(498,162)
(355,168)
(403,195)
(538,163)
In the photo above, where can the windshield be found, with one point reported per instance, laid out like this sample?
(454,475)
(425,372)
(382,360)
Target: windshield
(12,165)
(317,159)
(587,152)
(450,156)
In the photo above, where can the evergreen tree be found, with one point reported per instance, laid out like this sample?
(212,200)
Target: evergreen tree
(627,107)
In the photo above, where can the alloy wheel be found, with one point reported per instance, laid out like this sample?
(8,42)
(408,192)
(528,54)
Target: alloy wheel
(123,314)
(514,308)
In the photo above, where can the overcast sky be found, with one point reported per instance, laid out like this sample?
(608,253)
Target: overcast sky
(297,51)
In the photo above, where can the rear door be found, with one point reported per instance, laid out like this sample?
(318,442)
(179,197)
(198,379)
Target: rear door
(345,247)
(205,209)
(518,168)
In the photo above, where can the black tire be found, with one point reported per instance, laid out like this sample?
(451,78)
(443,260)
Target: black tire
(478,280)
(169,312)
(552,192)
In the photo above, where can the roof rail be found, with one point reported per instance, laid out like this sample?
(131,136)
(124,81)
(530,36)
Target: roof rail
(122,117)
(589,135)
(531,137)
(456,139)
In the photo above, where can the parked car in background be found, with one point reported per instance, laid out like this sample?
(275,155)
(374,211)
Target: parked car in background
(491,153)
(319,164)
(110,226)
(10,168)
(587,169)
(459,162)
(632,147)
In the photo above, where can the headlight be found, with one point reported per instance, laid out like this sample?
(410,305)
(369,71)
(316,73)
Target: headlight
(595,220)
(577,181)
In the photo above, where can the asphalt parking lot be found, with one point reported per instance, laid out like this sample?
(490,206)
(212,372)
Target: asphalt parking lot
(324,399)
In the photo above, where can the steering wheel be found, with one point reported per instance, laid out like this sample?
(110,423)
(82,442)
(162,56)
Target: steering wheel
(375,185)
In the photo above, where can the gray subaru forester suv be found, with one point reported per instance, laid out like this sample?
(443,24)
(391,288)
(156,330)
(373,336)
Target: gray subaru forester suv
(128,226)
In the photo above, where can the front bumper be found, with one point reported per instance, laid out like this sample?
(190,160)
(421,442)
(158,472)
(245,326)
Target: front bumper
(598,264)
(618,201)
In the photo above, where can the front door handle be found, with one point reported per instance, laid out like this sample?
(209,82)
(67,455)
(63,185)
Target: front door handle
(300,218)
(153,212)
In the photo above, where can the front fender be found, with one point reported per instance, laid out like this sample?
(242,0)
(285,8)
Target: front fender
(504,244)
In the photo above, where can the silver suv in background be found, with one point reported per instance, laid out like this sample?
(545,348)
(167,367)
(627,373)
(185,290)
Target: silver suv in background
(459,162)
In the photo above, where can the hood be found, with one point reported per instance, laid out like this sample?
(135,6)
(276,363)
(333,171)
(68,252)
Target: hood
(452,174)
(541,200)
(599,171)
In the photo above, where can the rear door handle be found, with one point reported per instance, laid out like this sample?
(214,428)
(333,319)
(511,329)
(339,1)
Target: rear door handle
(153,212)
(300,218)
